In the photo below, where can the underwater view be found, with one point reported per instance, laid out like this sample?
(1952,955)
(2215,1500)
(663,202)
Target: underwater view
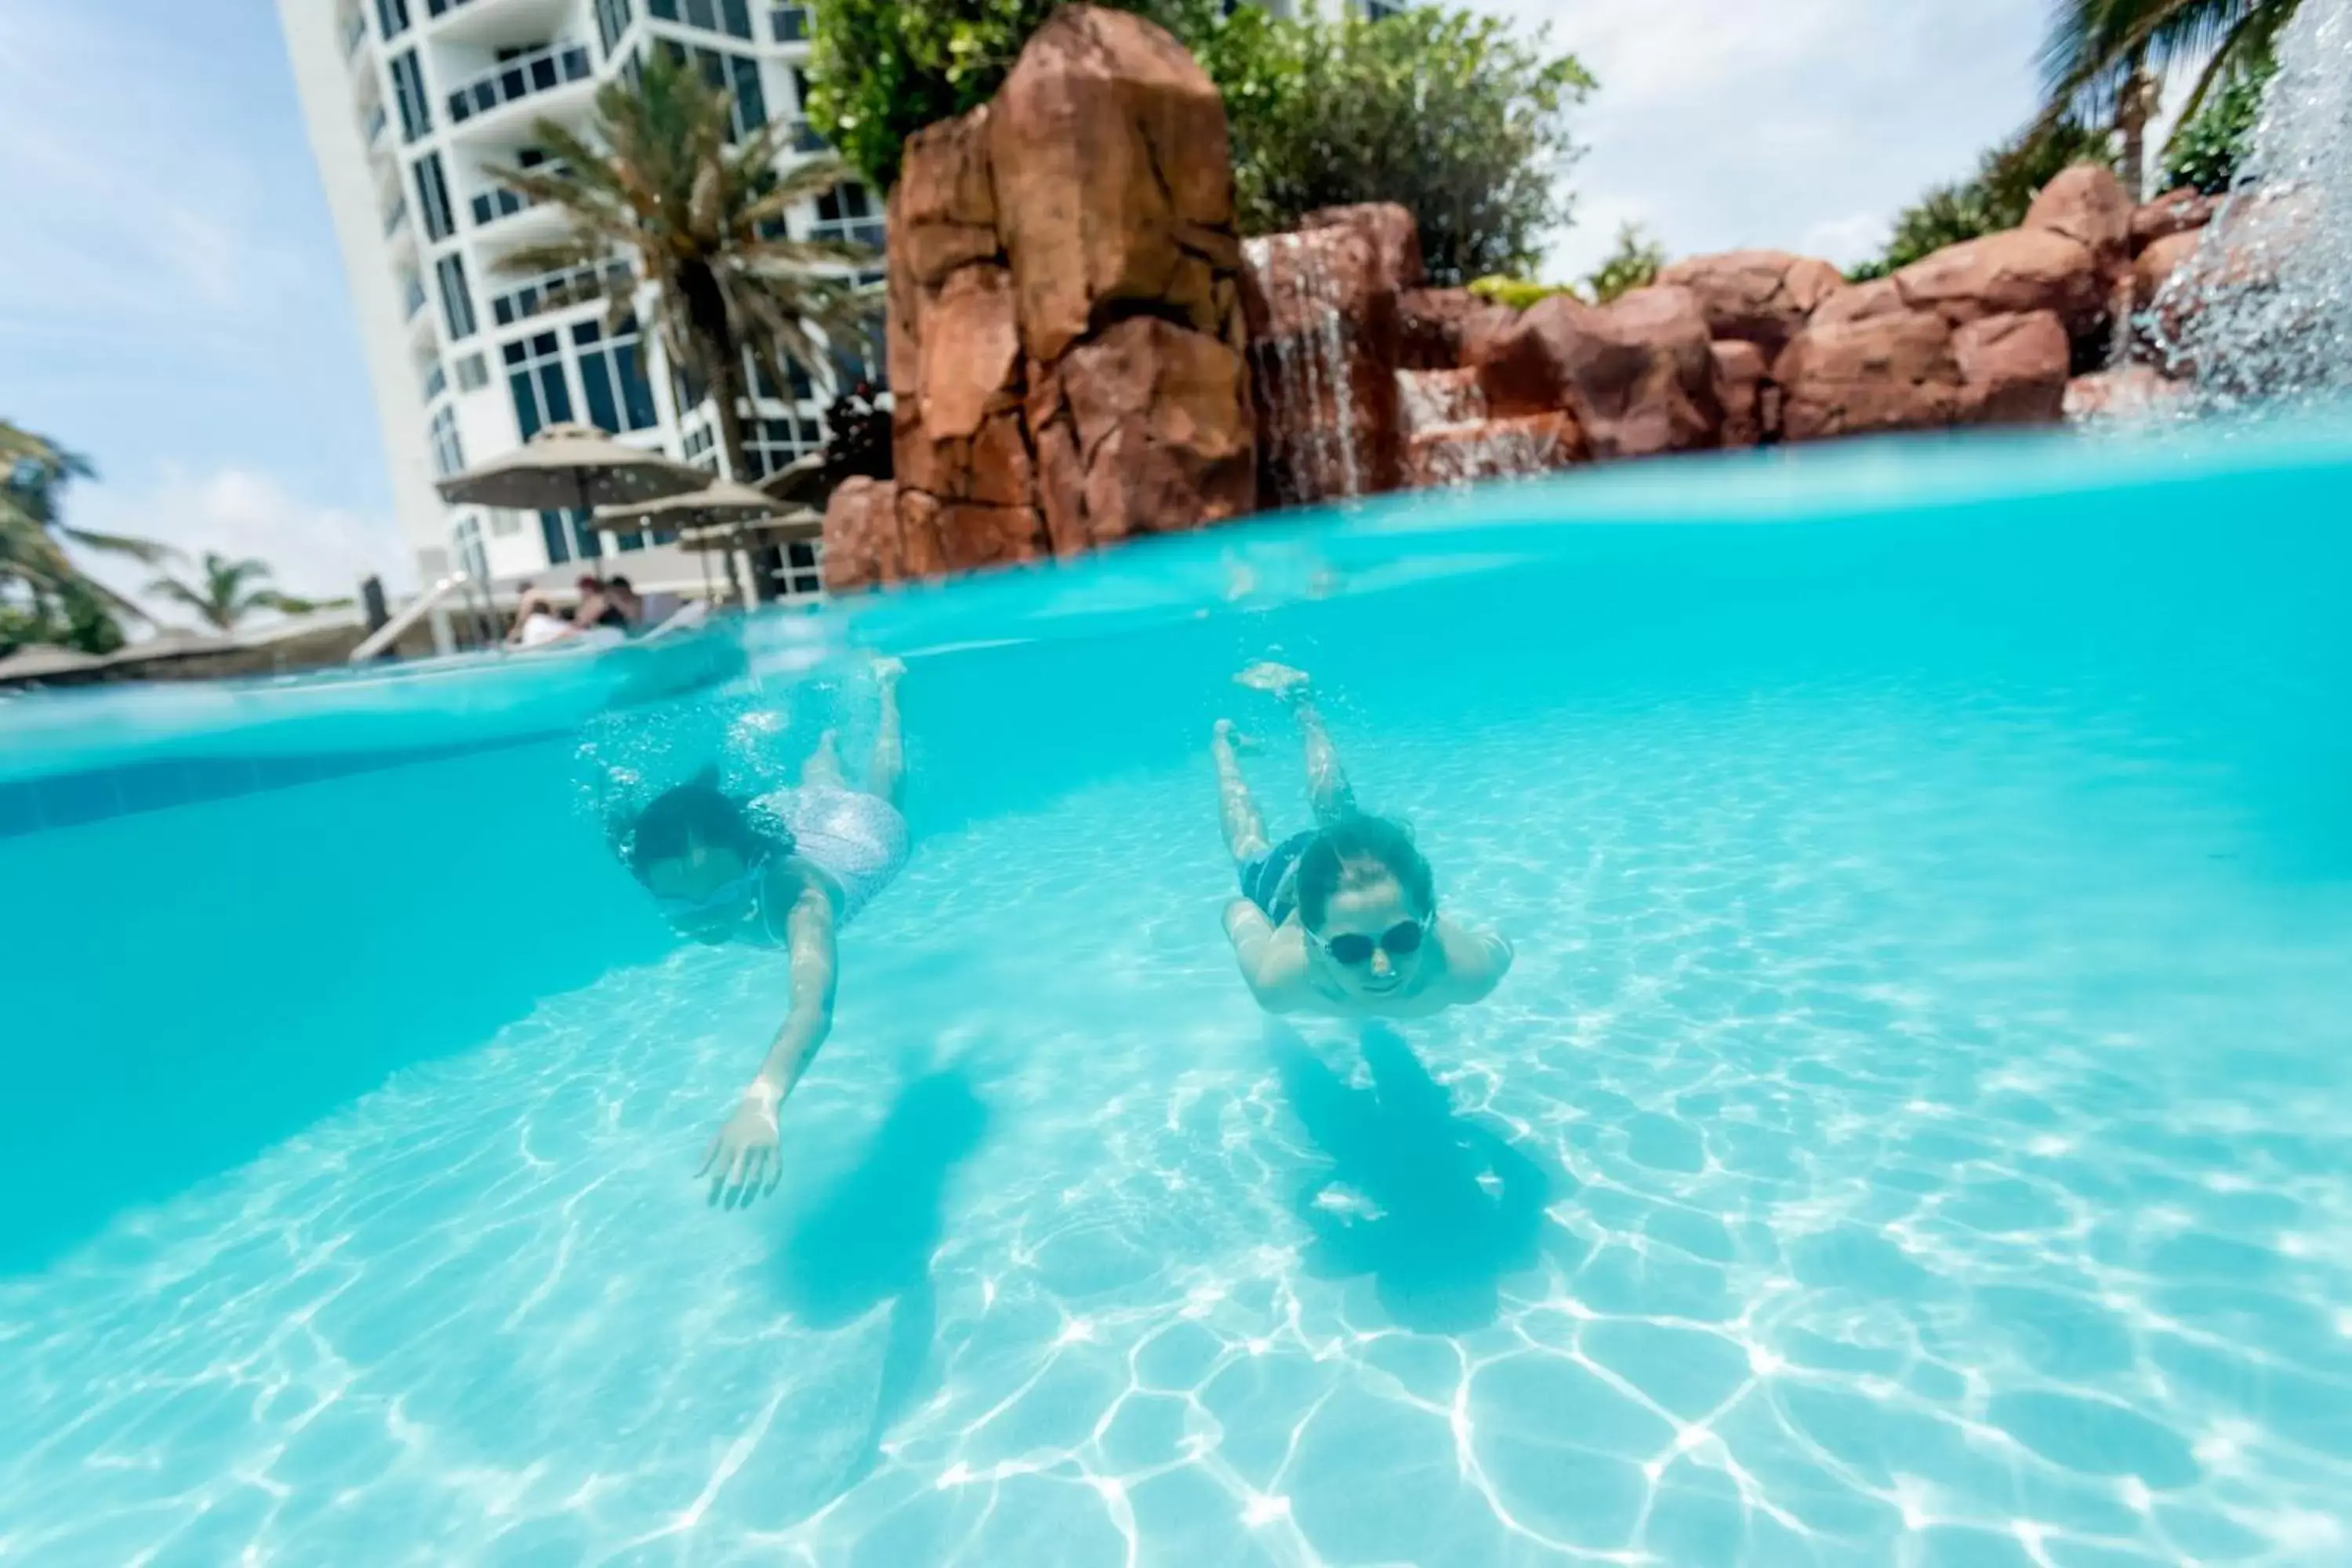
(1899,1117)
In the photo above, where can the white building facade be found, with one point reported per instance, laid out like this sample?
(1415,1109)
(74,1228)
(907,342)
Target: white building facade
(409,102)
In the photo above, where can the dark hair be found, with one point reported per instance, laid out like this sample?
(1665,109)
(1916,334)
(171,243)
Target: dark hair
(1354,843)
(617,581)
(695,812)
(587,580)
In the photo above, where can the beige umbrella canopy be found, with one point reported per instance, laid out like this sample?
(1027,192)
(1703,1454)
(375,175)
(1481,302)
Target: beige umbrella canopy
(800,522)
(572,466)
(718,500)
(40,660)
(801,480)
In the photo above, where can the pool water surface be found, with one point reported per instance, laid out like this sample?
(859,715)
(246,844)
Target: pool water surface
(1912,1130)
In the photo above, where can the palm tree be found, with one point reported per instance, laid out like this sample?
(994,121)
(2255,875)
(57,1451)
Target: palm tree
(229,591)
(657,180)
(34,563)
(2104,59)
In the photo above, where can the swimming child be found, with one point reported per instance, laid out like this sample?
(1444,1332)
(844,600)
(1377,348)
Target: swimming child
(786,869)
(1341,919)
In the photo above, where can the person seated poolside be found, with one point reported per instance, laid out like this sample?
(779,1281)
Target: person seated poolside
(537,621)
(1341,919)
(786,869)
(599,606)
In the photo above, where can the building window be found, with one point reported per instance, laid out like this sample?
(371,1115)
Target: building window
(769,444)
(613,377)
(702,449)
(789,23)
(732,17)
(723,71)
(433,198)
(391,16)
(457,300)
(470,548)
(848,214)
(535,377)
(800,556)
(505,522)
(611,21)
(570,533)
(448,452)
(472,376)
(408,91)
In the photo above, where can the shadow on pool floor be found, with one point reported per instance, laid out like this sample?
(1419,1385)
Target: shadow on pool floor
(1436,1208)
(871,1237)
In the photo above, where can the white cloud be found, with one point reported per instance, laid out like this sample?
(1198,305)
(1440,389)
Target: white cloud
(1845,240)
(312,550)
(1796,123)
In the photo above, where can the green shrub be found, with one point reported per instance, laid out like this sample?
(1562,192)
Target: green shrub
(1448,112)
(1518,293)
(2212,145)
(1634,264)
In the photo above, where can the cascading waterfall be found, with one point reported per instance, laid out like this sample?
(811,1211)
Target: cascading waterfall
(1305,365)
(2263,313)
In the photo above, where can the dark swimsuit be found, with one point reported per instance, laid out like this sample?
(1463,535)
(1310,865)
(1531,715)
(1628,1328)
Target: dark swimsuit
(1271,882)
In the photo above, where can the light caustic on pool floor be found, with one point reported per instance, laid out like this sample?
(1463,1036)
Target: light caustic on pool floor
(1907,1137)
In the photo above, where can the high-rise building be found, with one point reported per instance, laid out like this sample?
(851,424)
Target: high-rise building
(409,103)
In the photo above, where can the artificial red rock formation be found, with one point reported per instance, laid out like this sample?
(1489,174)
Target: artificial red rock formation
(2135,390)
(1065,331)
(2087,204)
(1637,373)
(1325,346)
(1474,450)
(1443,329)
(2157,263)
(1888,371)
(2175,212)
(862,547)
(2013,271)
(1741,379)
(1761,297)
(2012,369)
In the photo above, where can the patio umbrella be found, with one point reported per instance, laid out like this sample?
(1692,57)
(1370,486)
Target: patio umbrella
(43,661)
(800,522)
(572,466)
(723,506)
(801,480)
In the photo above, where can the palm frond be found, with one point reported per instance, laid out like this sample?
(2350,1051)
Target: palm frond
(146,551)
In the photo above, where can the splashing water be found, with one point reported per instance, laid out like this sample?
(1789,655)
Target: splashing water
(2263,313)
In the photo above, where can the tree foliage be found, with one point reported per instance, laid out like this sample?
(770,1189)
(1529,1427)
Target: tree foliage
(1996,198)
(2209,147)
(2088,57)
(1633,264)
(657,179)
(45,596)
(226,593)
(1449,113)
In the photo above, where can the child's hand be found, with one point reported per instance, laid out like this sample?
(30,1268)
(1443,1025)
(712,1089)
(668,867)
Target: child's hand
(743,1161)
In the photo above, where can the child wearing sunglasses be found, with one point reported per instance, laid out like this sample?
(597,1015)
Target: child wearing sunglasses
(784,870)
(1342,919)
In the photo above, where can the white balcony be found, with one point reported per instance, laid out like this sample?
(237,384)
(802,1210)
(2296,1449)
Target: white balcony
(539,78)
(493,24)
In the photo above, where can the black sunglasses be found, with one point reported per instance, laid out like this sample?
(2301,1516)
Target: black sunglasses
(1353,948)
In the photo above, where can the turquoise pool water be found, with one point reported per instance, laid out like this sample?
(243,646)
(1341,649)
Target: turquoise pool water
(1914,1131)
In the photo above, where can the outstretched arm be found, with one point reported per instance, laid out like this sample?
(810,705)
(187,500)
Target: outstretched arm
(1270,965)
(1475,961)
(742,1161)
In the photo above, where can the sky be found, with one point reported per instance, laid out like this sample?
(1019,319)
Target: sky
(171,298)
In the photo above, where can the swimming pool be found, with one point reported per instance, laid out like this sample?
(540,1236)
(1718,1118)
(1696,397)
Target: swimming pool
(1913,1131)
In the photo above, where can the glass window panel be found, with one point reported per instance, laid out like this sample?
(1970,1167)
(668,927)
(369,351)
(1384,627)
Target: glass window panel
(555,395)
(551,532)
(526,405)
(597,386)
(637,391)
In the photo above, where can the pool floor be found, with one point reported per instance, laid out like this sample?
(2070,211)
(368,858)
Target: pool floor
(1913,1133)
